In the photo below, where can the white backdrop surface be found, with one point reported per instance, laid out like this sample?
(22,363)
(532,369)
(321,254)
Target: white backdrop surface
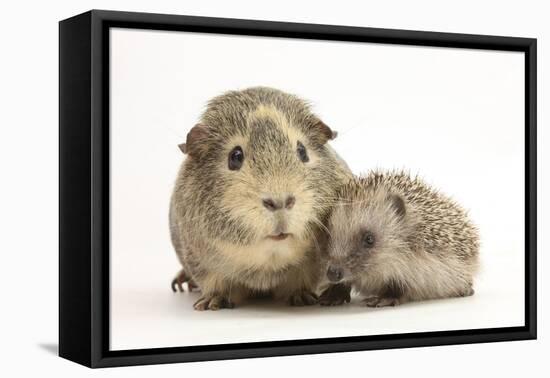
(29,161)
(453,116)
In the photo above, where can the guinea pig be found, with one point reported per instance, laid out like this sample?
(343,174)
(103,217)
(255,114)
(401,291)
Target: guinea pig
(394,239)
(250,202)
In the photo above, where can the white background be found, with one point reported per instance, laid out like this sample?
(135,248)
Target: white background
(454,116)
(29,194)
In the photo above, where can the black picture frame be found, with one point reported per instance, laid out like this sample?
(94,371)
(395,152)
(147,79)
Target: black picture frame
(84,187)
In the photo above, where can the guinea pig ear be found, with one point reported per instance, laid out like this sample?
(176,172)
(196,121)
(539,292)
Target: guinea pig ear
(324,132)
(398,204)
(195,137)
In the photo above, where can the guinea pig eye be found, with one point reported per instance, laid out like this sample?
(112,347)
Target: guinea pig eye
(368,239)
(302,152)
(236,158)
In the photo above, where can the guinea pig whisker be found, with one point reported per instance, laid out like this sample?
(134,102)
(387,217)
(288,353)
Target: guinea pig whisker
(317,247)
(312,235)
(321,225)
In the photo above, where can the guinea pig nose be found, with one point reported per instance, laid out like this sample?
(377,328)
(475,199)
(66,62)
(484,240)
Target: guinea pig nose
(277,204)
(271,204)
(335,274)
(290,201)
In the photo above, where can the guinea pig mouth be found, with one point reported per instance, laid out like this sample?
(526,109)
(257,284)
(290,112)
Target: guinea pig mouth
(278,237)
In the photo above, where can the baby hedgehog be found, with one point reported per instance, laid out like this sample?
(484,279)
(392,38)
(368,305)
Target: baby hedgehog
(394,239)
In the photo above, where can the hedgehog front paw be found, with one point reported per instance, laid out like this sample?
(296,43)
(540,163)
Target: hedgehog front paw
(335,295)
(213,302)
(376,301)
(302,298)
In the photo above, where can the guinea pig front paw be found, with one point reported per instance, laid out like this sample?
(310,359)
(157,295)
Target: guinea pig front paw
(302,298)
(212,302)
(376,301)
(335,295)
(180,279)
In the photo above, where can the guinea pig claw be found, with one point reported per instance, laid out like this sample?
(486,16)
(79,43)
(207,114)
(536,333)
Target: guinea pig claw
(213,303)
(376,301)
(191,285)
(177,285)
(180,279)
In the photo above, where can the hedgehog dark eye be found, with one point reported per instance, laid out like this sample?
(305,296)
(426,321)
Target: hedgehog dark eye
(302,152)
(368,239)
(236,158)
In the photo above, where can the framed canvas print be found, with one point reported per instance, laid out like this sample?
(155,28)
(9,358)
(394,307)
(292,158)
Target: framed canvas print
(235,188)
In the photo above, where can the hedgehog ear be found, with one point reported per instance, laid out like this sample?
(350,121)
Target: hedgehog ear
(398,204)
(325,133)
(195,137)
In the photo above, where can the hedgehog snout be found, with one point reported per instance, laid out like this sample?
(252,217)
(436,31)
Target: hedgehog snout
(335,273)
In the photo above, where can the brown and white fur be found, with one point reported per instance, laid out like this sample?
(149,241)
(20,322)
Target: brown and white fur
(394,239)
(254,226)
